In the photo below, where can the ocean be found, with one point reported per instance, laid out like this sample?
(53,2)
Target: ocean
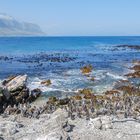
(60,59)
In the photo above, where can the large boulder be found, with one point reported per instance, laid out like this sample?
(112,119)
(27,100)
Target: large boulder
(16,83)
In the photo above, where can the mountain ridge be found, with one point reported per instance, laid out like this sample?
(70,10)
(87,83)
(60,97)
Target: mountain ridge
(10,26)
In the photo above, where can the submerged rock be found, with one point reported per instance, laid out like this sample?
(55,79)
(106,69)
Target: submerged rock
(135,47)
(136,68)
(135,74)
(86,69)
(46,82)
(92,78)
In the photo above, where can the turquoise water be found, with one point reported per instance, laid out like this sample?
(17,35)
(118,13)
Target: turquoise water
(60,58)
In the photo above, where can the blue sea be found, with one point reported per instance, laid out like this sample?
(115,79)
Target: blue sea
(60,59)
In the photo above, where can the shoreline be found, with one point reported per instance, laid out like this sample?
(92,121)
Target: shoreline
(84,109)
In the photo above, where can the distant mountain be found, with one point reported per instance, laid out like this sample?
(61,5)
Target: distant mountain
(10,26)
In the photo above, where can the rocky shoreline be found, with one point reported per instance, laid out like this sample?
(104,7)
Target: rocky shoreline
(85,115)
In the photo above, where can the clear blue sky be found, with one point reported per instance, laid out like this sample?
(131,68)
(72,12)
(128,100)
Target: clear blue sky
(78,17)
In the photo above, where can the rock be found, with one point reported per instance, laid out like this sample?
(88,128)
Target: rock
(61,115)
(136,68)
(85,91)
(23,95)
(101,111)
(92,78)
(8,80)
(59,111)
(86,69)
(4,92)
(103,122)
(96,123)
(46,82)
(12,131)
(1,96)
(77,97)
(51,136)
(16,83)
(1,138)
(36,92)
(17,91)
(52,99)
(66,126)
(106,122)
(135,74)
(8,128)
(135,47)
(64,101)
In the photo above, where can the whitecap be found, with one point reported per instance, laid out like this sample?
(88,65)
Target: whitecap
(116,76)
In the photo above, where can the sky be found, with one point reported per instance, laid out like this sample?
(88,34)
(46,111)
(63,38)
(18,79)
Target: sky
(78,17)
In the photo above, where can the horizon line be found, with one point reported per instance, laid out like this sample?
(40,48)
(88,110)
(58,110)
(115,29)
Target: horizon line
(70,36)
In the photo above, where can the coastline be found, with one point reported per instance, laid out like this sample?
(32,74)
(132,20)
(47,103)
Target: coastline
(84,115)
(69,88)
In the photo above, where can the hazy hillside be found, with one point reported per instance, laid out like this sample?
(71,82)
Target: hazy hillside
(10,26)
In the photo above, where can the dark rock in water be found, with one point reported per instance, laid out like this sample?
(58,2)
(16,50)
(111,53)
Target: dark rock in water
(64,101)
(136,68)
(135,74)
(135,47)
(5,58)
(86,69)
(36,91)
(46,82)
(34,95)
(42,58)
